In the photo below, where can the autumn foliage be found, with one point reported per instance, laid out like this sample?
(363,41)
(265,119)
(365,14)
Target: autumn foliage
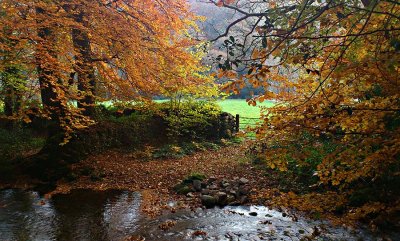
(68,55)
(333,69)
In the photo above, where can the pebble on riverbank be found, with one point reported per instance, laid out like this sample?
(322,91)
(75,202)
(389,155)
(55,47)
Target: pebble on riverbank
(213,192)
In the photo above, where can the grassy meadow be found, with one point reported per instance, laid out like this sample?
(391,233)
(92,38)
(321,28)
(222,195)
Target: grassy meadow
(240,106)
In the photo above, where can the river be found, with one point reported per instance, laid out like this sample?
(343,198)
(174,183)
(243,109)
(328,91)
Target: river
(115,215)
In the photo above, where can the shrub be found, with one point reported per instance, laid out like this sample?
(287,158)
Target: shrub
(193,120)
(299,164)
(130,132)
(169,151)
(15,144)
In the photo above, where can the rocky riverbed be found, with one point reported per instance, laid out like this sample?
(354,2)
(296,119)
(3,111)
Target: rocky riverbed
(115,215)
(215,192)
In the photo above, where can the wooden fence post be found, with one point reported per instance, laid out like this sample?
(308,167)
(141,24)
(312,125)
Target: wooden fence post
(237,122)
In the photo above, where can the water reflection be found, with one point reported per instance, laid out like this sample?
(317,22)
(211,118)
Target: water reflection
(244,223)
(114,215)
(80,215)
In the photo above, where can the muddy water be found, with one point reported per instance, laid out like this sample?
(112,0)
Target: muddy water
(114,215)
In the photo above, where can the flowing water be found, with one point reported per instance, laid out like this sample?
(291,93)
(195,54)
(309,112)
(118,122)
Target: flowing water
(114,215)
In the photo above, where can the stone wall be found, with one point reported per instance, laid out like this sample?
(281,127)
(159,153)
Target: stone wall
(227,125)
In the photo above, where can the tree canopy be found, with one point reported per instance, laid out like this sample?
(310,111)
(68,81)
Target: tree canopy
(58,53)
(333,68)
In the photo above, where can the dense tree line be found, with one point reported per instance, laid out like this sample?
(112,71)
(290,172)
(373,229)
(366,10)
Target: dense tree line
(58,58)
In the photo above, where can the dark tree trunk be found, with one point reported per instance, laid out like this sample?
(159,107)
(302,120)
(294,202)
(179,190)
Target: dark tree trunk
(12,101)
(47,76)
(17,100)
(84,67)
(52,161)
(8,101)
(50,91)
(49,164)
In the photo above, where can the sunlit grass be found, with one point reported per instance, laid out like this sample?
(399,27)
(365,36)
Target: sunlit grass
(248,114)
(240,106)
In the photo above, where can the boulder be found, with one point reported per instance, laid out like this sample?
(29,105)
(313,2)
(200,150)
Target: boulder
(242,199)
(205,191)
(233,193)
(225,184)
(243,181)
(230,199)
(197,185)
(212,179)
(222,198)
(253,214)
(213,192)
(182,189)
(243,190)
(208,201)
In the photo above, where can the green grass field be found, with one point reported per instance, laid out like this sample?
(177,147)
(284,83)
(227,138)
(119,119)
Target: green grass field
(244,110)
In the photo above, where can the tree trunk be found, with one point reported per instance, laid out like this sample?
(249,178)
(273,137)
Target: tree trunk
(84,67)
(49,164)
(8,101)
(48,77)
